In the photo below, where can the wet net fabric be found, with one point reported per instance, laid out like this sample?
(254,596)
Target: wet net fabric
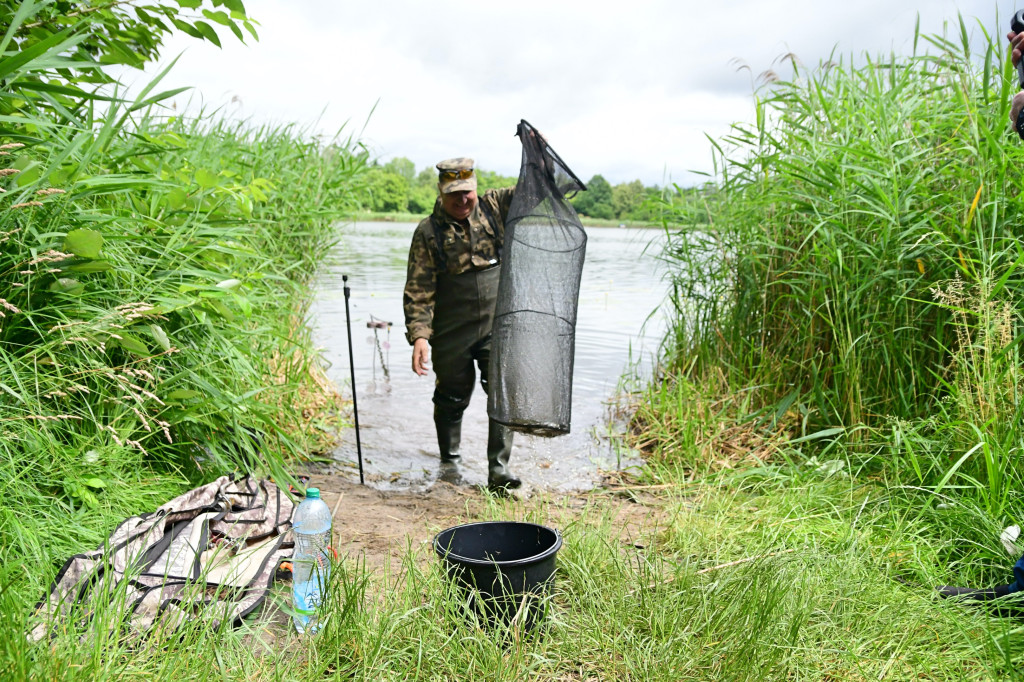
(534,333)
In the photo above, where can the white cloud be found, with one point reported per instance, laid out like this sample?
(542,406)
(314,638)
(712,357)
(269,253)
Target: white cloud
(628,90)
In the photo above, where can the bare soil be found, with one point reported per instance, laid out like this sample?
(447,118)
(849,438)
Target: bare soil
(377,528)
(380,526)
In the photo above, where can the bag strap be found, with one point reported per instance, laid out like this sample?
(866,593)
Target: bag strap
(499,236)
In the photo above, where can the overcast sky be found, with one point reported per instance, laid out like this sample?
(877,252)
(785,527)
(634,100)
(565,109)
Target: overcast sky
(627,90)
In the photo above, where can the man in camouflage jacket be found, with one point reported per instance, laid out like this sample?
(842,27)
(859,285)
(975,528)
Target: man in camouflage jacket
(450,291)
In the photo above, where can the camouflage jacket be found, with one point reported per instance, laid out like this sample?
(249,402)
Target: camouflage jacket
(464,248)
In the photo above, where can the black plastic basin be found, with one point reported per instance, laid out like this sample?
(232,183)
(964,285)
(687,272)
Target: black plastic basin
(510,565)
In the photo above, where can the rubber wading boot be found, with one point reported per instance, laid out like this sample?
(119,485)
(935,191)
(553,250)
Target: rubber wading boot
(449,473)
(499,449)
(449,436)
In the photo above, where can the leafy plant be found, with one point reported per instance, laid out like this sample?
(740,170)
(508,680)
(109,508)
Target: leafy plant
(153,280)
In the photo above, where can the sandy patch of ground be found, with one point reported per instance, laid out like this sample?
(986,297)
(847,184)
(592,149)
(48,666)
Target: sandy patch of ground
(380,526)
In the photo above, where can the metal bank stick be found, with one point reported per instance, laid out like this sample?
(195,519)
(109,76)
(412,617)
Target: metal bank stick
(352,367)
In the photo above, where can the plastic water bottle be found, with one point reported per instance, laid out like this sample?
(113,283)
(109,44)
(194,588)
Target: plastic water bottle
(311,566)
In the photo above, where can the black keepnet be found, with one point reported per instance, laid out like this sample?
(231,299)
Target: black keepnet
(534,331)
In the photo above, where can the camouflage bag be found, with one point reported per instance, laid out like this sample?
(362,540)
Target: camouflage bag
(211,553)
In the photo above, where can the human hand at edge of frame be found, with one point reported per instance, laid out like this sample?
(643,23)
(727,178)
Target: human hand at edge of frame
(420,357)
(1016,46)
(1015,108)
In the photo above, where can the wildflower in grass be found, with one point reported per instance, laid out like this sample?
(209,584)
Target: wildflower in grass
(146,393)
(26,204)
(133,311)
(49,190)
(165,427)
(44,417)
(51,256)
(4,172)
(142,418)
(113,434)
(11,145)
(68,325)
(141,373)
(136,444)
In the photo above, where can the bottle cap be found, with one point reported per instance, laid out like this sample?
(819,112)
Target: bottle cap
(312,493)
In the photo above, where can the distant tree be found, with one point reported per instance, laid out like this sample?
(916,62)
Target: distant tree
(491,180)
(422,198)
(596,202)
(427,177)
(652,206)
(389,192)
(627,198)
(401,166)
(422,192)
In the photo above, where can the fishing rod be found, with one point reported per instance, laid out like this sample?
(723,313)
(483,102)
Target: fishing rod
(352,367)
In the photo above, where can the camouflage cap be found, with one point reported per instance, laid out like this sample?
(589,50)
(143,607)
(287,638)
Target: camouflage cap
(456,175)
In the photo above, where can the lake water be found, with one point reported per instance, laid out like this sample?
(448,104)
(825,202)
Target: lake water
(619,326)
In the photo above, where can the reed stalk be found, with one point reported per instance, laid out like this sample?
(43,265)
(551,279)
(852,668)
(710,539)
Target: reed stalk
(855,259)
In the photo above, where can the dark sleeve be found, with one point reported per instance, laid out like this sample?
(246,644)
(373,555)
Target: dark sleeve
(420,286)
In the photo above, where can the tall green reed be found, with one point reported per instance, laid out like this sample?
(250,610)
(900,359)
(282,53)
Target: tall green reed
(806,271)
(154,277)
(835,211)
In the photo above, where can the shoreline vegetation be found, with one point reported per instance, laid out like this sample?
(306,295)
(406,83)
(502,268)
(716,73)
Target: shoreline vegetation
(396,188)
(834,429)
(399,217)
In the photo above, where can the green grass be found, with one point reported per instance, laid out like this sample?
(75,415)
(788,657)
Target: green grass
(858,191)
(153,291)
(155,333)
(774,573)
(828,439)
(852,273)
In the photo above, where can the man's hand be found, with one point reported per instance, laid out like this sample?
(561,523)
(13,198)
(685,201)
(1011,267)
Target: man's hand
(420,356)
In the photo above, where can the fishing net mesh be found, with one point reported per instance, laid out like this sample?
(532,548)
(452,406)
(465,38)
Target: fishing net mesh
(534,330)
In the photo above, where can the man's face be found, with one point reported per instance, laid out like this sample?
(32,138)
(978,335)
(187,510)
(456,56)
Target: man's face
(459,204)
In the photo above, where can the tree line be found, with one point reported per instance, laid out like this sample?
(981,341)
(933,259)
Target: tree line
(396,187)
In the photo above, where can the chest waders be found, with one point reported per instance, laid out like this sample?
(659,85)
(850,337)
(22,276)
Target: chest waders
(463,316)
